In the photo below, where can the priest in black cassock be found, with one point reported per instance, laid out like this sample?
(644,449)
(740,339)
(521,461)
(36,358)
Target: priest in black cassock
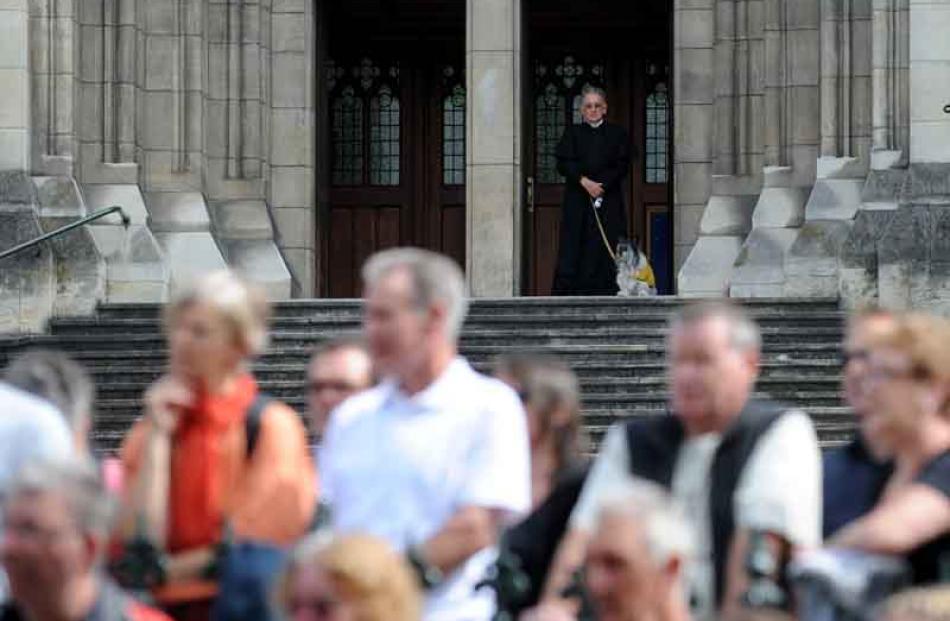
(594,157)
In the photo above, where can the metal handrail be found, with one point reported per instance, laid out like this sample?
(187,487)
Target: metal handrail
(65,229)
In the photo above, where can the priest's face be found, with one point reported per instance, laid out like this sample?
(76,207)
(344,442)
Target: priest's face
(593,108)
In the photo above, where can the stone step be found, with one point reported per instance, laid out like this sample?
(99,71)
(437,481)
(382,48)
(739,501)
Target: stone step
(522,306)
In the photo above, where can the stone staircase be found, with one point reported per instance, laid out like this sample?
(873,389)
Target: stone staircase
(616,346)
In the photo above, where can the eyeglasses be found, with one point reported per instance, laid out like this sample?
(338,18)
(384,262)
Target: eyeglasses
(335,386)
(322,608)
(854,355)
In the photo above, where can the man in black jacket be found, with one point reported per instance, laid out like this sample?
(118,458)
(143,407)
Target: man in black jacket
(738,465)
(594,157)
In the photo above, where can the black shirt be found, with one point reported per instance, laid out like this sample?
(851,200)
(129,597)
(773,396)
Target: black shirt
(931,561)
(853,482)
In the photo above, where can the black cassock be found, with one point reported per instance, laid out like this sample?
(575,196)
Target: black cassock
(602,154)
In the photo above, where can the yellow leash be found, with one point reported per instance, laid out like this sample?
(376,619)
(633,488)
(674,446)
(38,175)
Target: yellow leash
(603,233)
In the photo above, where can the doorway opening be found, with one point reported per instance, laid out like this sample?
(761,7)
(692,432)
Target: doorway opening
(393,133)
(623,47)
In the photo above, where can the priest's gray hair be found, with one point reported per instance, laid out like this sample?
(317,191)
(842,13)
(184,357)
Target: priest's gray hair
(436,279)
(593,90)
(744,333)
(666,531)
(77,482)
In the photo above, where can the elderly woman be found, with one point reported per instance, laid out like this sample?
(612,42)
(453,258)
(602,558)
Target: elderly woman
(548,388)
(211,456)
(909,387)
(352,578)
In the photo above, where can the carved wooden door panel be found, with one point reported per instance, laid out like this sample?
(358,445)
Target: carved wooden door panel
(397,162)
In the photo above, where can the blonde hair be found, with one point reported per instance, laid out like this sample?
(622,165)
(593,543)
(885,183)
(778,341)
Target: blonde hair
(242,305)
(370,576)
(925,340)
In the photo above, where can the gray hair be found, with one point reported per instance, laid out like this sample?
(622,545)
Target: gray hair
(435,279)
(78,482)
(666,530)
(242,305)
(744,333)
(54,376)
(590,89)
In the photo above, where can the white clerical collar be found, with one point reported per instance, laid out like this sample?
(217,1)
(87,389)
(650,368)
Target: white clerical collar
(597,124)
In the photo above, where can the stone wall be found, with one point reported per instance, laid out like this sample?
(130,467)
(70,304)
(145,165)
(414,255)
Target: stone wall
(195,116)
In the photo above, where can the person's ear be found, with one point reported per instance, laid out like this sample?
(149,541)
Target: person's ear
(93,547)
(438,317)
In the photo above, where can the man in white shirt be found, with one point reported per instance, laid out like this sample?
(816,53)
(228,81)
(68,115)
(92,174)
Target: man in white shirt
(435,459)
(737,465)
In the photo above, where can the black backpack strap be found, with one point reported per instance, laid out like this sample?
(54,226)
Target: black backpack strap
(252,421)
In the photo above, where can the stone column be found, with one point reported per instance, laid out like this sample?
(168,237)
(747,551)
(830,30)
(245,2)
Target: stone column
(15,76)
(493,195)
(914,253)
(719,120)
(812,267)
(791,145)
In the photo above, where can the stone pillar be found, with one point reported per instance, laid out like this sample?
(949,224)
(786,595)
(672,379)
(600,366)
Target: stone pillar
(15,76)
(493,195)
(791,138)
(914,252)
(291,191)
(718,100)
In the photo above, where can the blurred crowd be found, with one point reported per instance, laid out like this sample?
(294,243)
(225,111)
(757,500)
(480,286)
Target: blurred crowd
(417,488)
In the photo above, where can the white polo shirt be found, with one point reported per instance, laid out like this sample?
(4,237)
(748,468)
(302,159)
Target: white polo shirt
(399,467)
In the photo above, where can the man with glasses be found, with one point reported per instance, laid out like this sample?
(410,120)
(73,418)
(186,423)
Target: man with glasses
(855,474)
(338,370)
(594,158)
(57,521)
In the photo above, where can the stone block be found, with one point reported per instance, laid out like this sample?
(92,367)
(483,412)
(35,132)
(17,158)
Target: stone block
(241,220)
(291,137)
(780,204)
(15,104)
(759,270)
(929,91)
(883,159)
(492,108)
(692,182)
(491,229)
(291,186)
(177,212)
(159,121)
(840,168)
(14,149)
(687,222)
(693,75)
(80,277)
(13,39)
(260,262)
(189,255)
(693,133)
(161,59)
(295,228)
(707,269)
(126,195)
(929,25)
(834,199)
(58,197)
(927,183)
(930,141)
(301,264)
(805,107)
(804,56)
(161,16)
(27,280)
(811,266)
(489,27)
(164,173)
(289,33)
(289,6)
(694,28)
(290,80)
(728,215)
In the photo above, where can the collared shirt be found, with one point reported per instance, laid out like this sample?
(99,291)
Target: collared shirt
(597,124)
(779,491)
(399,466)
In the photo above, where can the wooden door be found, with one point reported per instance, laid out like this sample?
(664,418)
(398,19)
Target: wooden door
(622,47)
(397,161)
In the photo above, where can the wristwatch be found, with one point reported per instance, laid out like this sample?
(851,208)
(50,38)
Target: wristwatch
(429,575)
